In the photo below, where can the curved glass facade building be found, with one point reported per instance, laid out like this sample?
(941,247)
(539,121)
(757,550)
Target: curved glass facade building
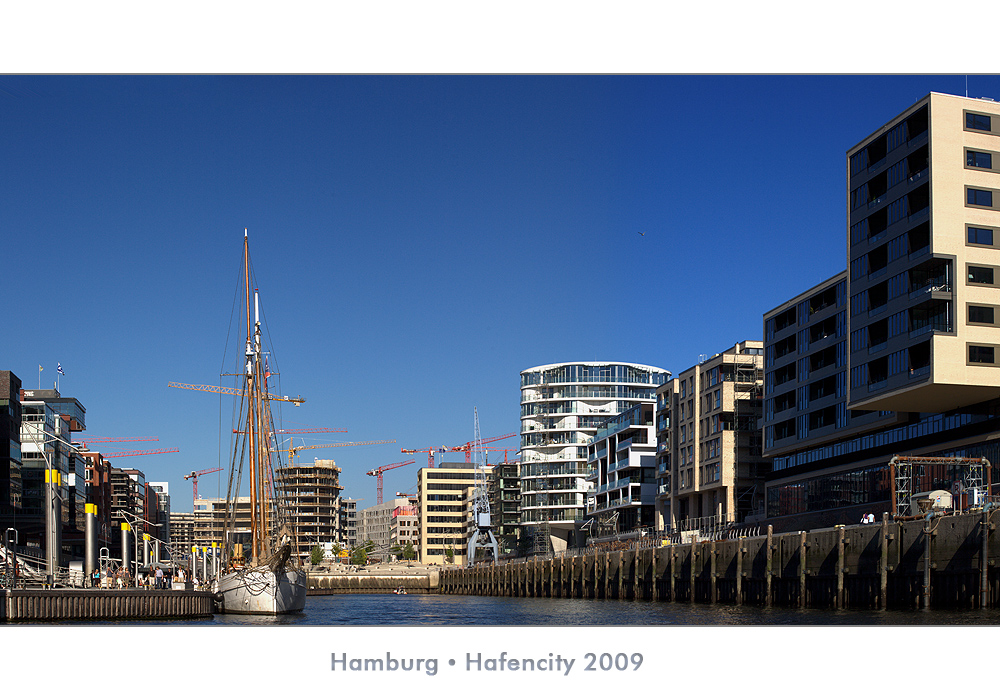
(562,406)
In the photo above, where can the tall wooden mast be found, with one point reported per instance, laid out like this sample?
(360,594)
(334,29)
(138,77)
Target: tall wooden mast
(251,398)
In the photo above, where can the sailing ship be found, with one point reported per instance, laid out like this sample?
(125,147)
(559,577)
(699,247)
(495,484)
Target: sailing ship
(260,574)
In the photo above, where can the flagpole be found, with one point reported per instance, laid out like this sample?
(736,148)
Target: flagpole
(39,376)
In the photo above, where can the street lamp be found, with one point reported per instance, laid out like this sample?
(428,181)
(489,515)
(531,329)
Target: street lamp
(53,481)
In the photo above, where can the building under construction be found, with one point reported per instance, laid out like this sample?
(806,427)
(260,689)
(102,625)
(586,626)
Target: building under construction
(312,493)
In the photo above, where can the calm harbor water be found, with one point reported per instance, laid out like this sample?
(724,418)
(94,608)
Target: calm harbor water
(443,610)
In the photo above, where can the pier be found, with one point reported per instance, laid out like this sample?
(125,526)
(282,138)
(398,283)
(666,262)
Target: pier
(54,605)
(383,578)
(939,562)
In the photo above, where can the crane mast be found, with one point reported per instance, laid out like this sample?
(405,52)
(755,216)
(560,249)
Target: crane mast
(482,535)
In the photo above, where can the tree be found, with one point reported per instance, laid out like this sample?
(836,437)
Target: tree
(316,555)
(449,554)
(359,555)
(409,553)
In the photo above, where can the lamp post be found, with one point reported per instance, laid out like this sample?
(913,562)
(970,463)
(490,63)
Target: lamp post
(10,561)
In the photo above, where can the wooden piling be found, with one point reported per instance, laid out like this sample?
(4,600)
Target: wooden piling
(802,569)
(767,570)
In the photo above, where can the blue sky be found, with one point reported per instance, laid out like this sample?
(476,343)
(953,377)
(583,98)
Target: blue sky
(418,241)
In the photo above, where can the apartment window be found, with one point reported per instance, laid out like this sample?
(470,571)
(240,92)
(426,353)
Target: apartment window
(979,122)
(979,198)
(981,315)
(981,354)
(980,236)
(980,275)
(978,159)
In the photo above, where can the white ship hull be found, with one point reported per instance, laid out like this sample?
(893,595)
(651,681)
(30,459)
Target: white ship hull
(259,591)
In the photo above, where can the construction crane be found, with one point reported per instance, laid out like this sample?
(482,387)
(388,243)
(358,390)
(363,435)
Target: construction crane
(431,451)
(377,472)
(297,400)
(482,535)
(194,477)
(297,431)
(292,451)
(84,440)
(135,453)
(468,447)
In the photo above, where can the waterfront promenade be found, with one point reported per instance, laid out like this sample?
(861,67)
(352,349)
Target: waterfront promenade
(333,579)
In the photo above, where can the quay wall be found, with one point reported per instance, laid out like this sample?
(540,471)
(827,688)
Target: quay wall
(331,584)
(947,562)
(38,605)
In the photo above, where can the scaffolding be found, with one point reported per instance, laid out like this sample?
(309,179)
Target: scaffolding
(542,542)
(907,474)
(747,387)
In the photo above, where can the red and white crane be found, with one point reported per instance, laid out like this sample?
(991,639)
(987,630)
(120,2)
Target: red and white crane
(135,453)
(468,447)
(431,451)
(194,477)
(377,472)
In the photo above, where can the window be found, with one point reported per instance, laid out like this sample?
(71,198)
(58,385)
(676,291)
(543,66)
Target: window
(981,314)
(980,275)
(981,354)
(979,198)
(976,159)
(979,122)
(980,236)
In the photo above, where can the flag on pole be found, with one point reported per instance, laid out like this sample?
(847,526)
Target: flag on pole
(40,368)
(59,369)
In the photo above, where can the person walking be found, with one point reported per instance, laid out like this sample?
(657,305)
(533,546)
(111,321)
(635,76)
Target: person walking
(159,578)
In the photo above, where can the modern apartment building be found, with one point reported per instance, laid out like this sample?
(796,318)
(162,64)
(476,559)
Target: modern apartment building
(160,490)
(210,521)
(347,522)
(895,355)
(181,533)
(562,406)
(504,486)
(405,524)
(443,511)
(376,523)
(622,461)
(924,252)
(48,421)
(709,467)
(10,447)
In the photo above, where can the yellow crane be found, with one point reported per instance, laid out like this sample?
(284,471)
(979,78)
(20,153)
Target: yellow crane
(297,400)
(294,450)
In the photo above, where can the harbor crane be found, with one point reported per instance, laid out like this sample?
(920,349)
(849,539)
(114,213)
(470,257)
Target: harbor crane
(194,478)
(377,472)
(482,536)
